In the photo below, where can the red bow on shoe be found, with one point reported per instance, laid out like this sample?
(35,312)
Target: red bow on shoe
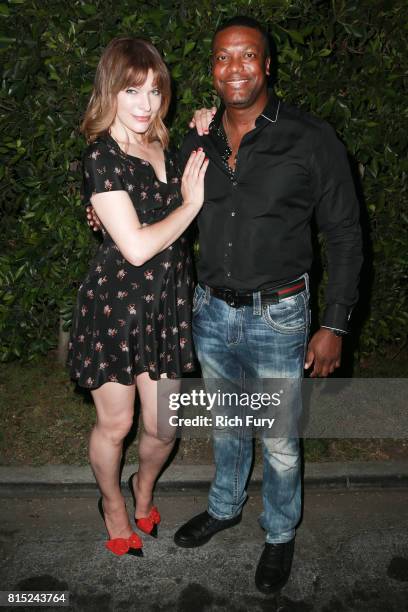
(147,523)
(120,546)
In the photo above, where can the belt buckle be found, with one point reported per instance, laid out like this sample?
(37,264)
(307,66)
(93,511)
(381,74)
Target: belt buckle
(229,298)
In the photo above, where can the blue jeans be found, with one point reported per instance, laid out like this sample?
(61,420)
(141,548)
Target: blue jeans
(256,342)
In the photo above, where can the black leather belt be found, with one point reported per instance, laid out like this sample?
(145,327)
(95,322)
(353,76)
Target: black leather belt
(268,296)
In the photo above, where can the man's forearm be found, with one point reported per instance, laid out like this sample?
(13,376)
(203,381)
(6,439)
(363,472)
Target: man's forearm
(344,265)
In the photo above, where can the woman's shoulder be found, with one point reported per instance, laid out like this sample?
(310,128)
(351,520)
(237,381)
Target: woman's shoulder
(103,169)
(101,150)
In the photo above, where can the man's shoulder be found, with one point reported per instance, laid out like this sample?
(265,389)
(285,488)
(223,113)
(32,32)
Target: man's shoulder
(304,119)
(191,141)
(320,136)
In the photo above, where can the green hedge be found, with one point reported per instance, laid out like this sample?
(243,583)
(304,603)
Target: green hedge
(343,60)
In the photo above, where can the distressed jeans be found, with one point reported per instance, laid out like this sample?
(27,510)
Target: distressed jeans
(254,342)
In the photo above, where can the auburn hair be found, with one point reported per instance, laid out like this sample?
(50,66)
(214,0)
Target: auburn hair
(125,63)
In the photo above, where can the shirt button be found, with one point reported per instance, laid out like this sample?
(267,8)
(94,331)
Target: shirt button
(233,213)
(228,274)
(230,244)
(234,183)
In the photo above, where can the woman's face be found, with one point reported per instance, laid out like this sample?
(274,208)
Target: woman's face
(138,106)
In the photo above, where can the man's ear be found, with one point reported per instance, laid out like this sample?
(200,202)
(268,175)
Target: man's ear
(267,66)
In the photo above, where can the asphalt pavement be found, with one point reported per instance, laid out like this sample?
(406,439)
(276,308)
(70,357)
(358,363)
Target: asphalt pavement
(351,547)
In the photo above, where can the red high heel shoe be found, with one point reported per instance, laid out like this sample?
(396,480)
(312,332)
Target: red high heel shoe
(147,524)
(122,546)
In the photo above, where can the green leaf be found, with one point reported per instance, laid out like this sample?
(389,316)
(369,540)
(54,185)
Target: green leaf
(189,46)
(187,96)
(296,36)
(89,9)
(176,72)
(6,41)
(352,29)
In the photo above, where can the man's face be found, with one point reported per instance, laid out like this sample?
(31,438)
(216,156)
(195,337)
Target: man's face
(239,66)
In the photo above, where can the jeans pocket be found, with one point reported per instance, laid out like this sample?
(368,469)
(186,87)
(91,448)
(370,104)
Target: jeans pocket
(288,316)
(198,299)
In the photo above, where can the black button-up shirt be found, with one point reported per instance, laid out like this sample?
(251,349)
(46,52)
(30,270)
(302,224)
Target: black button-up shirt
(255,225)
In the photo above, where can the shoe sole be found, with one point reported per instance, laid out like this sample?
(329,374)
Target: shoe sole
(203,541)
(271,590)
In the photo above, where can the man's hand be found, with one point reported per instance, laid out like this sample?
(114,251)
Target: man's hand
(202,119)
(93,219)
(324,352)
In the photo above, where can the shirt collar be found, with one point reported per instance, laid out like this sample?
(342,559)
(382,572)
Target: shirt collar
(270,114)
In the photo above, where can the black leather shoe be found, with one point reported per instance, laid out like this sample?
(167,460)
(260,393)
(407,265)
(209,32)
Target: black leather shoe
(201,528)
(274,566)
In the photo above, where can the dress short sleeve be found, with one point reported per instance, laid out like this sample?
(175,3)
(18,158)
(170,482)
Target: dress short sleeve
(102,170)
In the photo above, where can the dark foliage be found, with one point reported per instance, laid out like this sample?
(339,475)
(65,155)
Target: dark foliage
(344,60)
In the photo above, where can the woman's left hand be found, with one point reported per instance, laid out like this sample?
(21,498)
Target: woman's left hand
(93,219)
(202,119)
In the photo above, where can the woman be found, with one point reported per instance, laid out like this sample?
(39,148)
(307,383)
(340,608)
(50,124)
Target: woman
(132,321)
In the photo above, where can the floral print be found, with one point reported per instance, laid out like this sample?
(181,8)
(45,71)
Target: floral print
(132,319)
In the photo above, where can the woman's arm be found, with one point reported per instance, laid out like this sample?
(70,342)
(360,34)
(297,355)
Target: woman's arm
(201,121)
(139,243)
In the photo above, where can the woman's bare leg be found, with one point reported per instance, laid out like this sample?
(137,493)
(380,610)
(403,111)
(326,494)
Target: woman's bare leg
(153,451)
(114,409)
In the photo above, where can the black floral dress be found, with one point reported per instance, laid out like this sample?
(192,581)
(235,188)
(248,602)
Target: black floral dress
(132,319)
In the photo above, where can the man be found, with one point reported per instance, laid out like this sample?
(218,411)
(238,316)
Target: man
(271,168)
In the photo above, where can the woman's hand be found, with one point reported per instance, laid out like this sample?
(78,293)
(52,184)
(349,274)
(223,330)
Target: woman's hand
(202,119)
(93,219)
(192,182)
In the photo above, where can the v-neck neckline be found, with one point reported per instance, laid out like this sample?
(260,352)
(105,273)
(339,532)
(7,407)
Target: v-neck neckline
(144,162)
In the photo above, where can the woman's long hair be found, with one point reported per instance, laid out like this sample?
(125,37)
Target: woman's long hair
(125,63)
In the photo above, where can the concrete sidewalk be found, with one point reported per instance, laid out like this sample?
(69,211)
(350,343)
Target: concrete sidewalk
(69,479)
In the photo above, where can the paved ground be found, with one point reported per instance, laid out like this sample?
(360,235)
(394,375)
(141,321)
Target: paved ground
(351,555)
